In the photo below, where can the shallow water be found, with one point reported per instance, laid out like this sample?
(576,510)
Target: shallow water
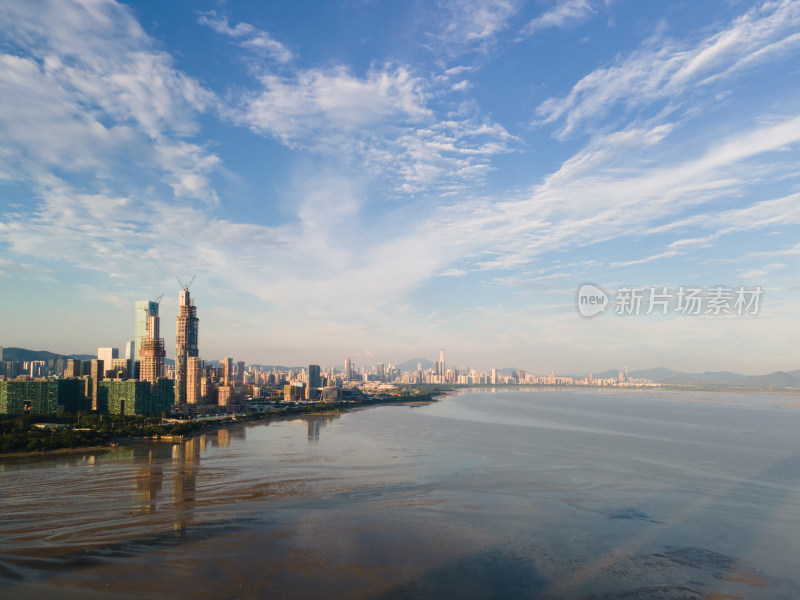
(543,494)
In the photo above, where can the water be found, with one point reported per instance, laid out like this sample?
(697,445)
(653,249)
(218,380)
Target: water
(509,494)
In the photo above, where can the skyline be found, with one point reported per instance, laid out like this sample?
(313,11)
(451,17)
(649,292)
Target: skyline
(382,181)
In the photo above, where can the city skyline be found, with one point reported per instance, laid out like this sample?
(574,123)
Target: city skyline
(382,181)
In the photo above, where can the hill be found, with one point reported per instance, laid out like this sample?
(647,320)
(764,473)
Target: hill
(25,355)
(411,364)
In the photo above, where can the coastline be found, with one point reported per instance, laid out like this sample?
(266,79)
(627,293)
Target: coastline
(284,415)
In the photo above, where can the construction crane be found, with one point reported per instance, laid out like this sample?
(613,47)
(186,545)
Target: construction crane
(158,300)
(186,286)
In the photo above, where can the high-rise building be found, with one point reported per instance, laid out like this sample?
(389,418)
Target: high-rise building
(96,373)
(47,397)
(185,343)
(240,372)
(194,378)
(1,354)
(348,369)
(144,310)
(314,382)
(227,371)
(73,368)
(107,355)
(129,351)
(149,347)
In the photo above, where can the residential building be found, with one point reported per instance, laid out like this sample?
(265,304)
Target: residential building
(43,396)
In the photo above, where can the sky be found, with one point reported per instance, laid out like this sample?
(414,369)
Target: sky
(385,179)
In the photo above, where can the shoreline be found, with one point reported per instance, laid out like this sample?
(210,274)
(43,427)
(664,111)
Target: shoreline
(222,424)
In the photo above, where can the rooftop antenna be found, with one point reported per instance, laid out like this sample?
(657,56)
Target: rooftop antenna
(186,286)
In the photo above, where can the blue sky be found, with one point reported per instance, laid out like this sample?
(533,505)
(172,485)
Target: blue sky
(384,179)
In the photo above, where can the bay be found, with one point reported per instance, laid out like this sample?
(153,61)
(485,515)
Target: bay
(485,494)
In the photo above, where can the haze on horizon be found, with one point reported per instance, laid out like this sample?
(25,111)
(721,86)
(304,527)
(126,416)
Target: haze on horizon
(384,180)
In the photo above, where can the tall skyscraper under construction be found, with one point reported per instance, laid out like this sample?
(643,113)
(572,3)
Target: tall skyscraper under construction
(185,343)
(149,345)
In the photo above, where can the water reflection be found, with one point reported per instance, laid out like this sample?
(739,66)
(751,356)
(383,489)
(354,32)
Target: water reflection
(185,460)
(149,477)
(182,460)
(315,424)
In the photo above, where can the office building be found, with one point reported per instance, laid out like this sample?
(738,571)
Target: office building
(348,369)
(107,355)
(185,343)
(129,351)
(314,382)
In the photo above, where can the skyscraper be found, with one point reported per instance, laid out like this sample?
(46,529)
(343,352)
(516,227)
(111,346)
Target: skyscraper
(96,373)
(143,310)
(348,369)
(227,371)
(149,349)
(73,368)
(185,342)
(129,350)
(107,355)
(314,382)
(240,372)
(194,378)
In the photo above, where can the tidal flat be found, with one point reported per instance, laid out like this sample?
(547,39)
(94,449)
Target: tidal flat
(484,494)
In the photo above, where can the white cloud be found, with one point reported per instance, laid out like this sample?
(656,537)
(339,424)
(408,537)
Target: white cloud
(293,109)
(666,68)
(590,199)
(86,87)
(565,13)
(472,24)
(249,36)
(382,120)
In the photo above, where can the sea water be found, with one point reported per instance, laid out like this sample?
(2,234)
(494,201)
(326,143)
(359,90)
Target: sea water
(484,494)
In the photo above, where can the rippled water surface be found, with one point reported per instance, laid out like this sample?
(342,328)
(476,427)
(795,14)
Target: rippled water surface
(508,494)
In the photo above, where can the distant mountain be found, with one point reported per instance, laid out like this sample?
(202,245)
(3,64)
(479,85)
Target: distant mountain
(611,373)
(411,364)
(264,367)
(778,379)
(717,376)
(682,379)
(656,374)
(25,355)
(668,376)
(508,371)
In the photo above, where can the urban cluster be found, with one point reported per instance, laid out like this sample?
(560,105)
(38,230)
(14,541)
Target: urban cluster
(140,382)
